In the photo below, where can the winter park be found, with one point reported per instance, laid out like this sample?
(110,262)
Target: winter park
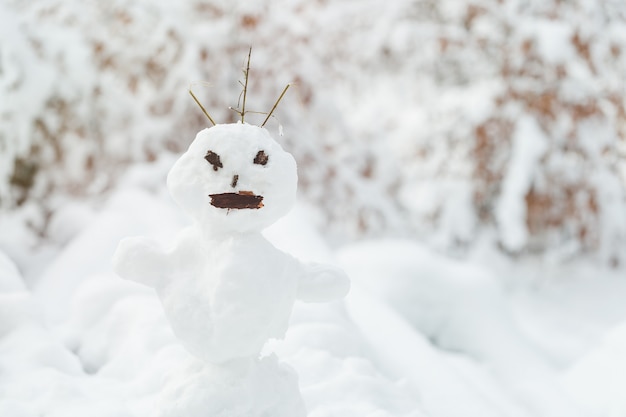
(322,208)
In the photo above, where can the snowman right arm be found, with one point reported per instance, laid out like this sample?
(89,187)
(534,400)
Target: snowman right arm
(141,259)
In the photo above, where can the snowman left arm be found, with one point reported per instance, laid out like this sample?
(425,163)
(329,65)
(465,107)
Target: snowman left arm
(321,282)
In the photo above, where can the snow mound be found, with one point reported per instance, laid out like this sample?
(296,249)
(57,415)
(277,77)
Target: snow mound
(256,388)
(10,279)
(459,308)
(599,378)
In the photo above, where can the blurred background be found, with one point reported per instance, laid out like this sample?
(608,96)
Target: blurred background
(457,123)
(463,160)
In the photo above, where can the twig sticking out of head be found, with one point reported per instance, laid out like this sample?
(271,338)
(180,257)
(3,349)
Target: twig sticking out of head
(201,106)
(275,104)
(244,93)
(245,86)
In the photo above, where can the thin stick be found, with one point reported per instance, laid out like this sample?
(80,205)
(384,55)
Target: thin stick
(245,87)
(276,104)
(201,106)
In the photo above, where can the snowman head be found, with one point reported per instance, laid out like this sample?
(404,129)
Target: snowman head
(234,178)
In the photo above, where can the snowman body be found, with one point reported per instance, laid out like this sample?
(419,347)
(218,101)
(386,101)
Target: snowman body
(227,297)
(224,288)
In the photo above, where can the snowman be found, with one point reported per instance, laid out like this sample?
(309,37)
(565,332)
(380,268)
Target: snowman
(224,288)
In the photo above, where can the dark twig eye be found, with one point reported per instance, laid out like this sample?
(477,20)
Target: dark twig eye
(261,158)
(213,159)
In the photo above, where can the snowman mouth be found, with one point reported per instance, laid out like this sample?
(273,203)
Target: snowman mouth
(240,200)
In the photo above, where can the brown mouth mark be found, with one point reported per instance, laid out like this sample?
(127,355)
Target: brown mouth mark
(240,200)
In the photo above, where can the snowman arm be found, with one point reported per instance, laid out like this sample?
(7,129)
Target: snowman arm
(321,282)
(141,259)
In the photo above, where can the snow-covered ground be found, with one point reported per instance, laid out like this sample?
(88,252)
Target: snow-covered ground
(419,334)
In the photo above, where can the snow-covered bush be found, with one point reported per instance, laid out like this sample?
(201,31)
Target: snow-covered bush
(448,120)
(527,135)
(89,87)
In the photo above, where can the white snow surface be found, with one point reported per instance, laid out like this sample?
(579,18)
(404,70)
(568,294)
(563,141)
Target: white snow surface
(419,334)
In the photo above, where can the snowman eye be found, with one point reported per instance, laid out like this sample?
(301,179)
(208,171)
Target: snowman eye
(213,159)
(261,158)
